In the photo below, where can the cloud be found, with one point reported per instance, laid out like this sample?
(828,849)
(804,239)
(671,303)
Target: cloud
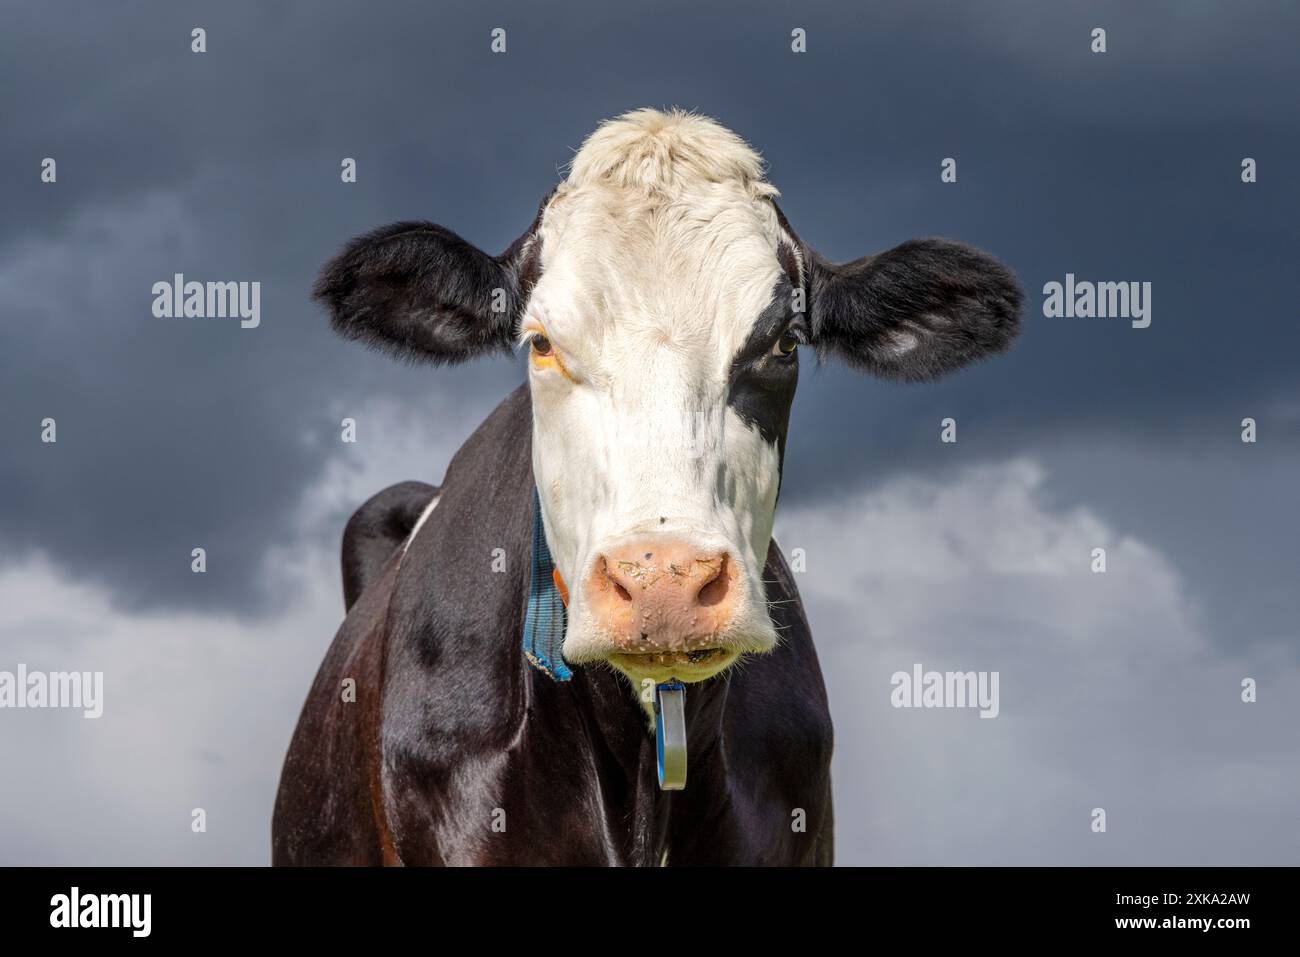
(1112,694)
(199,707)
(189,429)
(176,433)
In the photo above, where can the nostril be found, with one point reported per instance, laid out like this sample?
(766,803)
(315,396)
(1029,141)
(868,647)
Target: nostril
(715,588)
(619,590)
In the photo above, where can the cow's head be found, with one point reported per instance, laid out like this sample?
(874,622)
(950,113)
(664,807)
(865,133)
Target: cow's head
(662,298)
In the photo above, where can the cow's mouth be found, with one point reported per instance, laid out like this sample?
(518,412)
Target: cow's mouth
(694,665)
(700,657)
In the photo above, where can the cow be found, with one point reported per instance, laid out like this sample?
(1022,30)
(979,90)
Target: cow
(662,299)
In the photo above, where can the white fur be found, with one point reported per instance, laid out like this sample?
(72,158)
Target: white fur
(658,254)
(419,523)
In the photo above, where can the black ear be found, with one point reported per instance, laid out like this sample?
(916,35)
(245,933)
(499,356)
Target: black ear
(914,312)
(420,292)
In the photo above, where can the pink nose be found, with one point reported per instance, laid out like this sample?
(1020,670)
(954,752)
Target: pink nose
(662,596)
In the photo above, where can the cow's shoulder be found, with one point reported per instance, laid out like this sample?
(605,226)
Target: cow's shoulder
(454,662)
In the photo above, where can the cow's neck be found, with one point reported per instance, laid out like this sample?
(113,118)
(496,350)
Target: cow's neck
(638,816)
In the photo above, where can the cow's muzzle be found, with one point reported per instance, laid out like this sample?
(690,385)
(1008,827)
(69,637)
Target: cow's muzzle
(663,608)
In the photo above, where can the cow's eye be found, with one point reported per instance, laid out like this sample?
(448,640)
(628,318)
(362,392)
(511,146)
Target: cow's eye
(785,346)
(541,345)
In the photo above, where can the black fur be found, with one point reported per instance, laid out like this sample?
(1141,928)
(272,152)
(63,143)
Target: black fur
(375,531)
(959,303)
(419,292)
(761,386)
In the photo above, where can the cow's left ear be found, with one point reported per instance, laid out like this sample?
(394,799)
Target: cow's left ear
(914,312)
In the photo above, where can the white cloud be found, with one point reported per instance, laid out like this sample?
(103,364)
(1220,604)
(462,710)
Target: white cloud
(197,711)
(1111,694)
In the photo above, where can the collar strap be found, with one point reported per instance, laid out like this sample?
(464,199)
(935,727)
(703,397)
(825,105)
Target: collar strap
(545,620)
(670,734)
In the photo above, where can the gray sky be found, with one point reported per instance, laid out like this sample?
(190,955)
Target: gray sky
(1119,690)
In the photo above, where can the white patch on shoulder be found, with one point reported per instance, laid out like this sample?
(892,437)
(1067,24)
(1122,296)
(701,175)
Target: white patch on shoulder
(428,510)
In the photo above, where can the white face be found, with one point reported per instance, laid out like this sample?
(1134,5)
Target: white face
(657,496)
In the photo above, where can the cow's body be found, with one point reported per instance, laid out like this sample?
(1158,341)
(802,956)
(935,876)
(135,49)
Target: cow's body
(458,751)
(662,298)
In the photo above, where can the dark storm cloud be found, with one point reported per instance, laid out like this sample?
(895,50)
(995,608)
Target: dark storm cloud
(1119,690)
(225,166)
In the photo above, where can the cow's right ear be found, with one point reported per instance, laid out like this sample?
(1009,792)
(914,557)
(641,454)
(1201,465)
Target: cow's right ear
(419,292)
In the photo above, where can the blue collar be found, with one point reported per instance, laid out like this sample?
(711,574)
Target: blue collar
(545,619)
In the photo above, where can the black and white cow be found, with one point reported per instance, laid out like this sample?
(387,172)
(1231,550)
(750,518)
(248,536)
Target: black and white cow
(662,298)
